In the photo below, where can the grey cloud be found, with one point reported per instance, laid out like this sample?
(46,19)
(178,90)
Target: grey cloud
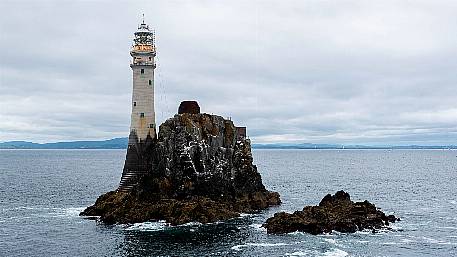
(379,72)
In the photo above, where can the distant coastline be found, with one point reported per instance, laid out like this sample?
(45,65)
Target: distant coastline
(115,143)
(121,143)
(349,147)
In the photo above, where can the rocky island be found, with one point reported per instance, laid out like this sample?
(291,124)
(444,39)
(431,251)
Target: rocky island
(335,212)
(198,169)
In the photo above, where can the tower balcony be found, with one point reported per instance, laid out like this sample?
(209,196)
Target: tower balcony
(136,64)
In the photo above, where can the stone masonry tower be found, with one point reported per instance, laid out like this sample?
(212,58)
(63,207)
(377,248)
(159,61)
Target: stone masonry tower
(143,126)
(143,65)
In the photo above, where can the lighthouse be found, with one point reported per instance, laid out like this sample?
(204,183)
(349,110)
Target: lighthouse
(143,53)
(143,125)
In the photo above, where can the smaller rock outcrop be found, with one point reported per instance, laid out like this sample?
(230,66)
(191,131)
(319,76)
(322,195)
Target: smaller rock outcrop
(335,212)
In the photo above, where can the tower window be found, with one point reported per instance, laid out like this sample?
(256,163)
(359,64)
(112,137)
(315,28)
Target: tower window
(134,103)
(142,115)
(151,125)
(150,58)
(142,71)
(150,82)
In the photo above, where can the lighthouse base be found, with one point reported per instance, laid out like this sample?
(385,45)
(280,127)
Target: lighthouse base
(137,162)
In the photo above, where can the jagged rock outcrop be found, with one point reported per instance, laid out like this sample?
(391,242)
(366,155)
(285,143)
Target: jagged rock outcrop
(335,212)
(197,169)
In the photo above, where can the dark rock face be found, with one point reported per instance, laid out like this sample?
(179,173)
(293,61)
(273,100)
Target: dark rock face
(197,170)
(241,133)
(136,162)
(335,212)
(190,107)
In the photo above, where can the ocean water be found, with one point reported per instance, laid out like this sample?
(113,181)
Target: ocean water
(42,192)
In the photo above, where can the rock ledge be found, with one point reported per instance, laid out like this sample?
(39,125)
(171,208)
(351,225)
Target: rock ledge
(335,212)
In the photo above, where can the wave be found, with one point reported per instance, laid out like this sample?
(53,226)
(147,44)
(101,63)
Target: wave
(300,253)
(448,228)
(389,243)
(194,224)
(163,225)
(335,253)
(26,208)
(242,215)
(66,212)
(297,233)
(258,227)
(147,226)
(32,212)
(238,247)
(332,253)
(330,240)
(384,230)
(407,241)
(436,241)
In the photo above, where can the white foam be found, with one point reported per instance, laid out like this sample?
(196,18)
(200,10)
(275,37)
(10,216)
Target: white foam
(238,247)
(148,226)
(26,208)
(193,223)
(447,243)
(407,241)
(73,211)
(448,227)
(431,240)
(66,212)
(242,215)
(395,227)
(297,233)
(300,253)
(258,227)
(330,240)
(335,253)
(389,243)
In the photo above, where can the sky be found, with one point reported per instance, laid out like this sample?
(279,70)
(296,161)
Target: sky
(343,72)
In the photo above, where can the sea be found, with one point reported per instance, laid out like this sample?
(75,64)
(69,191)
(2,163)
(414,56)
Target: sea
(43,191)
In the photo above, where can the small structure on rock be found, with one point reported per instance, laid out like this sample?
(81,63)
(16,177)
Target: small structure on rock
(190,107)
(240,133)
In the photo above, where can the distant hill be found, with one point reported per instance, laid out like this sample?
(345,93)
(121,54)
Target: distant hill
(121,143)
(115,143)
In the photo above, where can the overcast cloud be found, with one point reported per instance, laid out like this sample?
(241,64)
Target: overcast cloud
(351,72)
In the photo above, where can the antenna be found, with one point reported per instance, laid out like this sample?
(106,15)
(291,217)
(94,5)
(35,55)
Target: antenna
(143,18)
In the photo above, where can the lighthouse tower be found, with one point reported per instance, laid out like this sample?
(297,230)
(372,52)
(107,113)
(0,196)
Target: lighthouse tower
(143,126)
(143,65)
